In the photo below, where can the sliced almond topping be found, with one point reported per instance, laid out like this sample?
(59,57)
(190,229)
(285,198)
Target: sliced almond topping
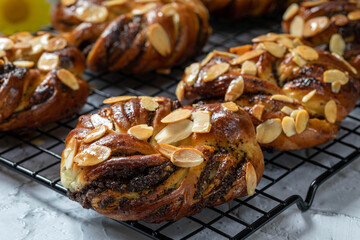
(92,155)
(301,121)
(287,110)
(345,62)
(144,9)
(335,75)
(141,132)
(307,53)
(168,10)
(240,50)
(297,42)
(6,44)
(291,11)
(187,157)
(316,25)
(225,54)
(337,44)
(247,56)
(95,134)
(331,111)
(216,71)
(288,126)
(336,86)
(270,37)
(294,113)
(97,120)
(202,122)
(297,59)
(67,78)
(23,63)
(2,54)
(180,91)
(68,3)
(175,132)
(207,59)
(296,26)
(257,111)
(91,13)
(149,103)
(340,20)
(268,131)
(251,179)
(118,99)
(110,3)
(274,49)
(354,15)
(308,96)
(313,3)
(191,73)
(70,152)
(177,116)
(24,46)
(286,42)
(280,97)
(55,44)
(166,150)
(159,39)
(230,106)
(48,62)
(249,68)
(235,89)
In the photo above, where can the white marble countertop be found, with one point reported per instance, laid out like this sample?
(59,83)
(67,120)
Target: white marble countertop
(31,211)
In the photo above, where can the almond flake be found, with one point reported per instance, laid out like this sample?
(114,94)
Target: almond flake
(149,103)
(268,131)
(286,42)
(270,37)
(290,12)
(294,113)
(6,44)
(48,62)
(336,86)
(235,89)
(257,111)
(288,126)
(335,75)
(67,78)
(345,62)
(91,13)
(97,120)
(230,106)
(175,132)
(180,91)
(215,71)
(283,98)
(55,44)
(207,59)
(111,3)
(287,110)
(92,155)
(274,49)
(24,64)
(144,9)
(95,134)
(296,26)
(202,122)
(249,68)
(330,111)
(141,132)
(187,157)
(247,56)
(225,54)
(159,39)
(301,121)
(70,152)
(240,50)
(297,59)
(68,3)
(177,116)
(308,96)
(24,46)
(313,3)
(307,53)
(118,99)
(191,73)
(339,20)
(354,15)
(166,150)
(337,44)
(315,26)
(250,179)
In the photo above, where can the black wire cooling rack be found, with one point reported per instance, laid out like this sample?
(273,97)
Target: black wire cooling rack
(36,154)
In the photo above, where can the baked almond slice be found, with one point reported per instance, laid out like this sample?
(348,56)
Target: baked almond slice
(251,179)
(202,122)
(291,11)
(118,99)
(296,26)
(175,132)
(235,89)
(68,3)
(149,103)
(6,44)
(141,131)
(48,62)
(67,78)
(307,53)
(308,96)
(315,26)
(288,126)
(70,152)
(331,111)
(97,120)
(180,91)
(95,134)
(92,155)
(187,157)
(334,75)
(166,149)
(159,39)
(301,121)
(268,131)
(91,13)
(247,56)
(177,116)
(215,71)
(230,106)
(191,73)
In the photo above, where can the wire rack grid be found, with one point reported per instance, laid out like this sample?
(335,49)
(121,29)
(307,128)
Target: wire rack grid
(36,154)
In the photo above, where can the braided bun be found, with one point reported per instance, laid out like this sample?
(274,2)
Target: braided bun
(40,80)
(296,95)
(328,25)
(140,160)
(134,36)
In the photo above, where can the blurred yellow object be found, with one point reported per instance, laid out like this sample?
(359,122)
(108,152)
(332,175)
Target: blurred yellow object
(23,15)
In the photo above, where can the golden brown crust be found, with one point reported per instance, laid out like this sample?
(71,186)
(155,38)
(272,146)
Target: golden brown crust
(138,182)
(124,38)
(31,92)
(338,17)
(278,82)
